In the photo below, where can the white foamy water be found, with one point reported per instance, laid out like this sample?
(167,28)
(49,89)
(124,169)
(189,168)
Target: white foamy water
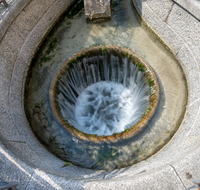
(105,108)
(103,95)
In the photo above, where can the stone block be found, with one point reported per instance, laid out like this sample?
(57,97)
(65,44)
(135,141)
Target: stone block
(14,170)
(14,8)
(5,68)
(192,6)
(16,96)
(191,70)
(26,154)
(155,6)
(189,163)
(164,32)
(163,178)
(30,16)
(187,27)
(9,48)
(97,10)
(1,37)
(13,40)
(4,91)
(8,131)
(20,67)
(42,180)
(195,128)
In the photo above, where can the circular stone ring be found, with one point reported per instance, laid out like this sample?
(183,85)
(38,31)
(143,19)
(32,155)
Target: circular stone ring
(63,71)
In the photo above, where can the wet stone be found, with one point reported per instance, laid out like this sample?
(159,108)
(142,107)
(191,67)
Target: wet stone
(97,10)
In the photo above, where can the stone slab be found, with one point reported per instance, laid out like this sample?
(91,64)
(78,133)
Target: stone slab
(97,10)
(26,154)
(15,100)
(4,92)
(13,169)
(193,6)
(30,16)
(187,27)
(166,8)
(14,8)
(5,68)
(42,180)
(9,49)
(189,163)
(163,31)
(12,39)
(165,178)
(191,70)
(8,130)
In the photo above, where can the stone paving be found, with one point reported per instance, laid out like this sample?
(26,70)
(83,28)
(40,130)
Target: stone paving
(24,160)
(8,14)
(4,10)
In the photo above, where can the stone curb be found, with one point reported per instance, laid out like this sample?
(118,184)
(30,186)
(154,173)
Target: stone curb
(8,18)
(192,6)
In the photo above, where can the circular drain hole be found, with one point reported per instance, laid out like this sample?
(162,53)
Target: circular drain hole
(105,108)
(104,93)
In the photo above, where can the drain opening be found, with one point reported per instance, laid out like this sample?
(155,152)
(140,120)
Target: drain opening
(104,91)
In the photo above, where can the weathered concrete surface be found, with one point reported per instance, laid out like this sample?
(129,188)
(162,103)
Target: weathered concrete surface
(162,12)
(164,178)
(7,15)
(24,160)
(187,27)
(192,6)
(97,10)
(189,163)
(12,169)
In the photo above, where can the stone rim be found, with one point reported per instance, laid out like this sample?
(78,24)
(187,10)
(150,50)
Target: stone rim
(134,130)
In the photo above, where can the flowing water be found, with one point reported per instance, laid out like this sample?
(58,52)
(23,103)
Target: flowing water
(70,35)
(102,95)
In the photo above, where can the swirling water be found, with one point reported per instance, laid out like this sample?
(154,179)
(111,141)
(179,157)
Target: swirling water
(103,95)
